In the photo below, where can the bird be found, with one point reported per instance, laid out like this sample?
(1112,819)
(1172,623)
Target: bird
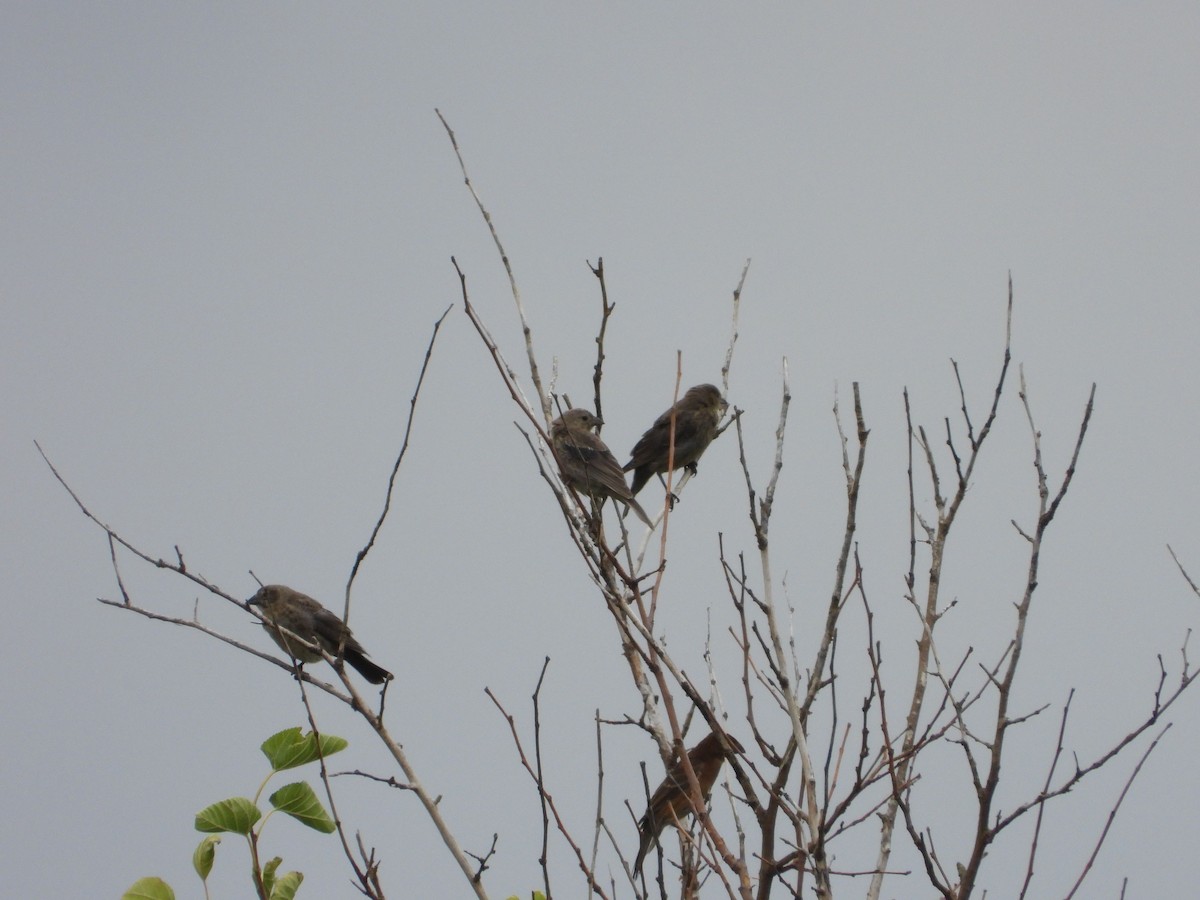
(284,609)
(697,414)
(586,463)
(669,804)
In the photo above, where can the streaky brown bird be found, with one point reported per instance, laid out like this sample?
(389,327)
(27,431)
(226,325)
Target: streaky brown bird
(697,415)
(669,803)
(284,609)
(585,462)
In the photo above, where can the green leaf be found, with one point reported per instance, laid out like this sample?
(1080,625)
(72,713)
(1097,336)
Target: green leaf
(268,874)
(286,887)
(300,802)
(289,748)
(202,857)
(237,814)
(149,889)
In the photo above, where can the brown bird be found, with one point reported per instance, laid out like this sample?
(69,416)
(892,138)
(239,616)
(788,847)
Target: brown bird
(585,463)
(286,610)
(697,414)
(669,803)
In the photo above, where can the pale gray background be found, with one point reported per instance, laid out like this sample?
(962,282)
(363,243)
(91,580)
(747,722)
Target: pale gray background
(227,233)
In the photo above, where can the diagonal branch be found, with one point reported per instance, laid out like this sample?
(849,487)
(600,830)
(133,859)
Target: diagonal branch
(535,375)
(387,498)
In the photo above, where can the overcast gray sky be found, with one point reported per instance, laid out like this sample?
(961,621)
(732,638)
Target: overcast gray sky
(227,232)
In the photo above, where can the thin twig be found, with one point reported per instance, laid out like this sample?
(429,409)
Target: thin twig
(733,330)
(387,497)
(1112,813)
(543,395)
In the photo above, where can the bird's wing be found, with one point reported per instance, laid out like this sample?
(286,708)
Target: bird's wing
(592,451)
(601,466)
(654,444)
(331,631)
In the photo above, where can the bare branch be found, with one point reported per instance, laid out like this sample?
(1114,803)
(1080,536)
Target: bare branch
(606,311)
(387,497)
(535,376)
(1112,813)
(733,329)
(546,797)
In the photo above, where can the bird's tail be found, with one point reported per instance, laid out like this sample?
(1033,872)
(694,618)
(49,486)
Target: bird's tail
(367,669)
(641,513)
(647,834)
(640,476)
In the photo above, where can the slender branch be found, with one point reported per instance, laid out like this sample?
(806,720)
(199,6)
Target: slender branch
(542,393)
(599,797)
(544,859)
(986,833)
(387,497)
(367,875)
(1112,813)
(1037,827)
(177,567)
(1183,572)
(733,329)
(546,797)
(606,311)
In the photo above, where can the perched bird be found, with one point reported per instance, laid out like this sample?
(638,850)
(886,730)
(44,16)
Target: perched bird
(669,803)
(285,609)
(697,414)
(586,463)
